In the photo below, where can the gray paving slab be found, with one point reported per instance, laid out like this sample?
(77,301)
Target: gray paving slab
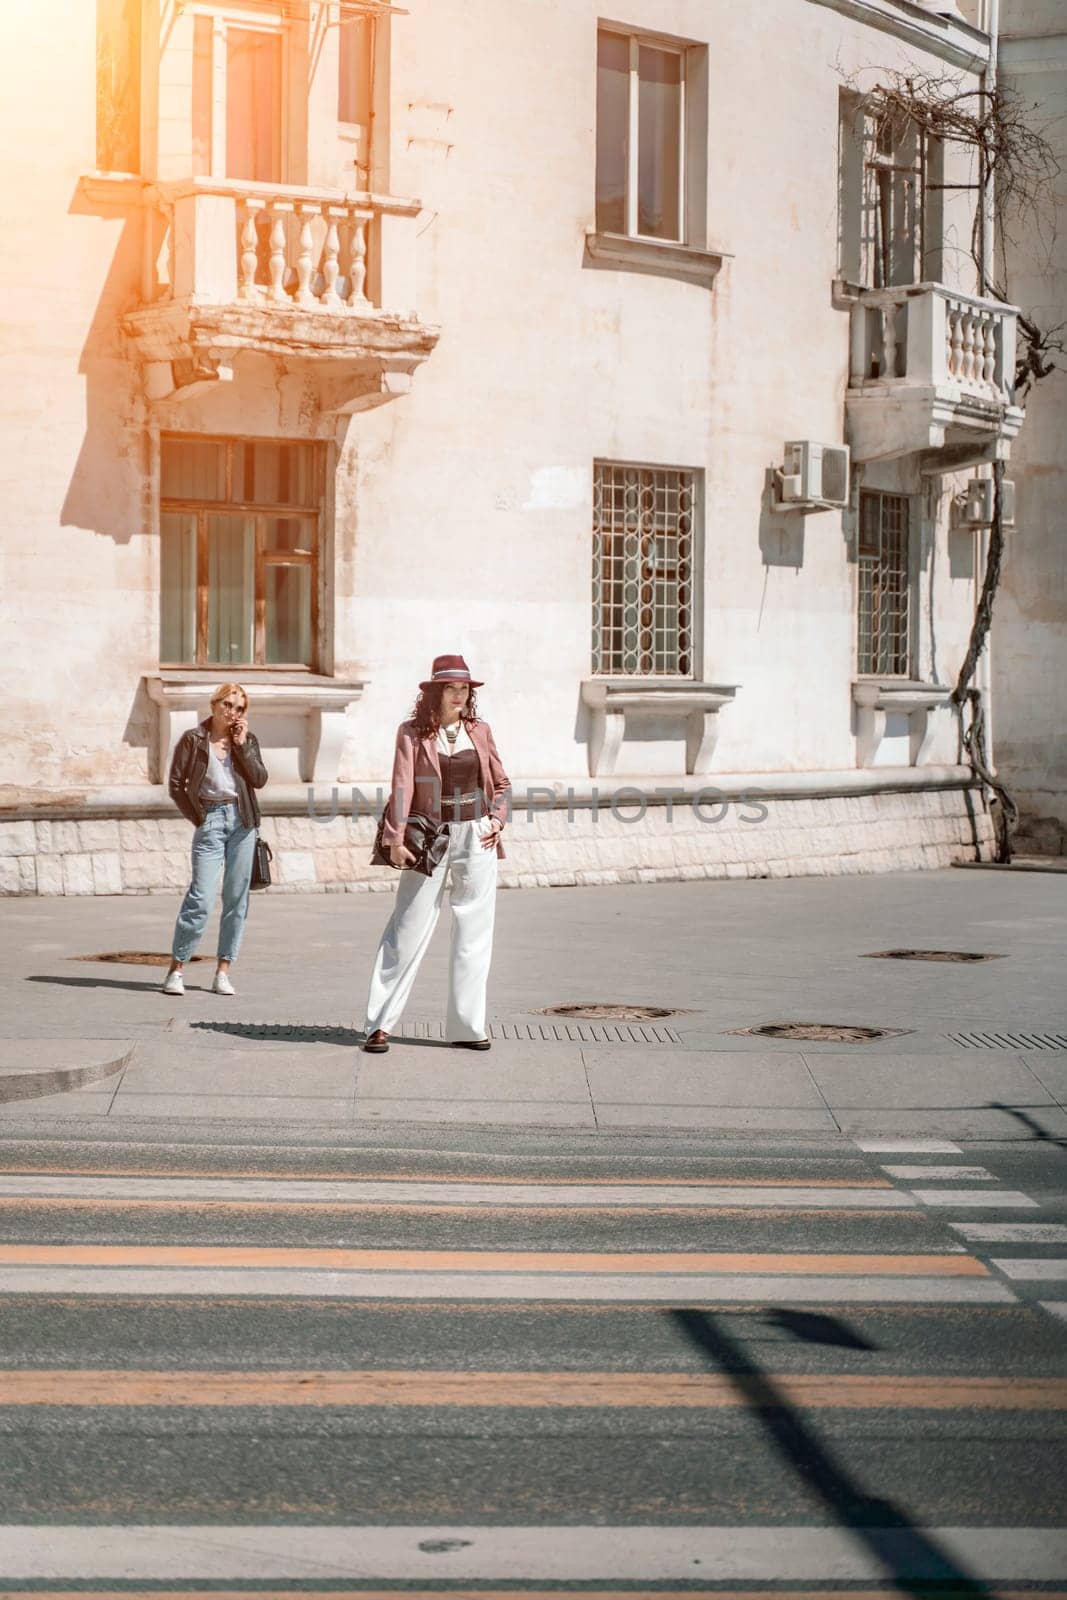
(312,1071)
(1050,1069)
(521,1072)
(709,1078)
(227,1107)
(503,1113)
(963,1122)
(909,1081)
(73,1103)
(789,1119)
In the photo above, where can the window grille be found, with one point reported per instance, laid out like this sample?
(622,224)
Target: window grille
(643,520)
(884,644)
(239,535)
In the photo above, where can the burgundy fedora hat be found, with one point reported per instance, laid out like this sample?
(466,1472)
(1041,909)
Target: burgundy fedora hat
(450,669)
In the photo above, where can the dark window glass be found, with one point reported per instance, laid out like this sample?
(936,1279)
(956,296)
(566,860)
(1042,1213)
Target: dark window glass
(612,119)
(659,121)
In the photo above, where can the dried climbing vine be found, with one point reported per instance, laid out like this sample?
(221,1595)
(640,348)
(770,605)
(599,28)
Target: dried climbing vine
(1017,168)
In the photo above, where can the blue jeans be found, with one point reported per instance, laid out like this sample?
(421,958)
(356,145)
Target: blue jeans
(222,847)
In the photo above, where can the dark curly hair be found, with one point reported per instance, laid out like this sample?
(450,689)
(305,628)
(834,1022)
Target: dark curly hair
(426,713)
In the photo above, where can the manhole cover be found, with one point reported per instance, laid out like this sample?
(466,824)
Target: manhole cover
(135,958)
(595,1012)
(932,955)
(828,1032)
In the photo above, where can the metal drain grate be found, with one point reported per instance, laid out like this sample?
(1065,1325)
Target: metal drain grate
(135,958)
(558,1032)
(599,1011)
(993,1039)
(821,1032)
(931,955)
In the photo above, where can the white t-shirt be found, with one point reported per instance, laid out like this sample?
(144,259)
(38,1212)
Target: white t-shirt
(218,783)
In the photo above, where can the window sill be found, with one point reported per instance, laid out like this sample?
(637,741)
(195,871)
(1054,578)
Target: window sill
(874,697)
(611,700)
(112,188)
(301,718)
(654,256)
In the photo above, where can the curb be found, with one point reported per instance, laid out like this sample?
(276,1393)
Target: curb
(33,1084)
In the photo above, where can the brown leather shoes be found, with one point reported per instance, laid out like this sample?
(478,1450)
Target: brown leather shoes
(471,1044)
(378,1043)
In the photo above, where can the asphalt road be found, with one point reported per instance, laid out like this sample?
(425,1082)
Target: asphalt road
(680,1364)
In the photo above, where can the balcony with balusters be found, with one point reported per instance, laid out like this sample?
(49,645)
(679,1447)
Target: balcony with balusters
(312,276)
(931,370)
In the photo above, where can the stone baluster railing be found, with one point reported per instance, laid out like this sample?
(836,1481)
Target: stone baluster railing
(292,252)
(947,337)
(971,345)
(876,335)
(220,241)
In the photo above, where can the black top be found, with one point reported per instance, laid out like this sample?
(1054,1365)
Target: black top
(459,777)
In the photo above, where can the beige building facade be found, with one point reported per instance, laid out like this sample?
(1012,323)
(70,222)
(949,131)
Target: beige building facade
(1030,621)
(622,354)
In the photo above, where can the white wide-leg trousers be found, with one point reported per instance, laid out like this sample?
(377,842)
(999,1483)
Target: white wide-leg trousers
(470,872)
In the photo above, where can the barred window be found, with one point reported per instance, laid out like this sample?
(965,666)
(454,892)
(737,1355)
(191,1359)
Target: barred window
(884,585)
(643,552)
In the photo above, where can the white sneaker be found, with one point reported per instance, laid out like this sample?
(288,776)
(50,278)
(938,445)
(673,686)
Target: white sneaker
(173,983)
(222,984)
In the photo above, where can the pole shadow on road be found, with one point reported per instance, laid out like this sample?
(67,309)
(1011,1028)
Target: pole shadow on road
(1032,1126)
(909,1555)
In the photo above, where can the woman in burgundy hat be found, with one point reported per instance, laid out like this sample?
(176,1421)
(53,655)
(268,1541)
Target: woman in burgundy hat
(446,767)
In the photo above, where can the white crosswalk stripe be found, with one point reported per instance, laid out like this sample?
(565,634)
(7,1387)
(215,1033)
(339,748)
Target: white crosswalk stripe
(510,1553)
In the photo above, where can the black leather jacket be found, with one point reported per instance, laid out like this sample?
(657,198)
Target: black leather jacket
(190,763)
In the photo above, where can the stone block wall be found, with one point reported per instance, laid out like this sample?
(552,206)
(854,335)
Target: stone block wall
(888,832)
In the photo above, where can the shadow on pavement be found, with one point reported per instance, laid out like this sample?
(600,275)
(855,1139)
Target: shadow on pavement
(816,1328)
(1034,1128)
(910,1557)
(309,1033)
(99,983)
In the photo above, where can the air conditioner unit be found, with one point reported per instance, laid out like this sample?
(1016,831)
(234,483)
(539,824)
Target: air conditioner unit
(978,503)
(814,476)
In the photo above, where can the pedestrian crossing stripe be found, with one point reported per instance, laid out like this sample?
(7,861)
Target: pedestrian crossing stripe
(211,1552)
(664,1288)
(866,1193)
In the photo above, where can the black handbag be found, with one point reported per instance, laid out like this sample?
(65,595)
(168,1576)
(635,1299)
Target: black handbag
(426,839)
(262,857)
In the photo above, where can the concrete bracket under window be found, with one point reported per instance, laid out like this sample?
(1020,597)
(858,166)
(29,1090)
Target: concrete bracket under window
(875,698)
(300,719)
(612,700)
(655,256)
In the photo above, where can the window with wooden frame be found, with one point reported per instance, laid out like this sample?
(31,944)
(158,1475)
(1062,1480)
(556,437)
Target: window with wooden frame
(884,560)
(240,525)
(641,137)
(891,202)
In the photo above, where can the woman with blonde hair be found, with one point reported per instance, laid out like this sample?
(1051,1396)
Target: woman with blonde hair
(214,775)
(446,768)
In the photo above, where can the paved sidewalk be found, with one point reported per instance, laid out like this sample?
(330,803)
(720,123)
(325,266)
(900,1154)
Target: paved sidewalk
(719,956)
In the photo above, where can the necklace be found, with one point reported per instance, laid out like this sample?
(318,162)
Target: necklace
(452,734)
